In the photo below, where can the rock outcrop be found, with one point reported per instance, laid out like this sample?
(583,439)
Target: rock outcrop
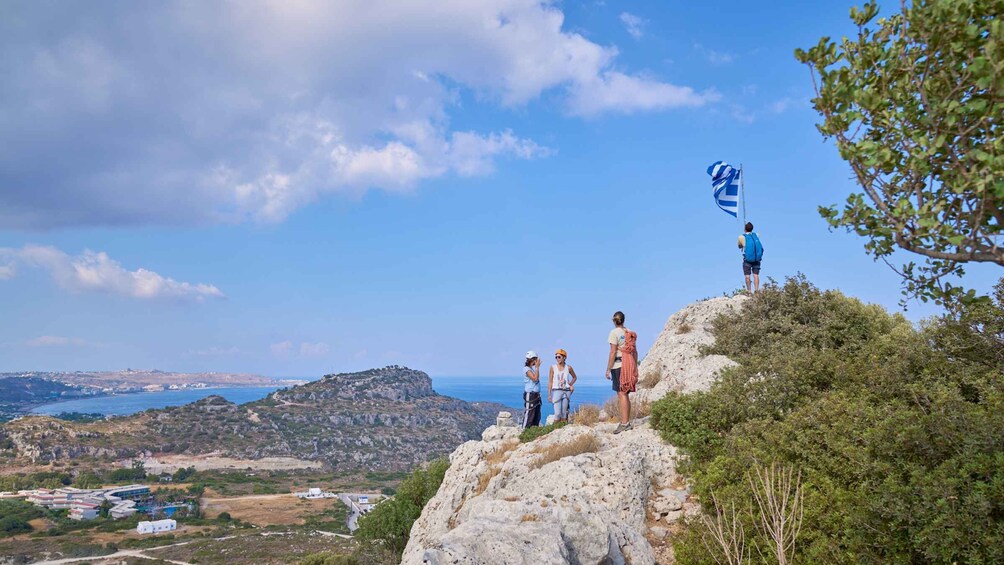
(506,502)
(580,494)
(674,363)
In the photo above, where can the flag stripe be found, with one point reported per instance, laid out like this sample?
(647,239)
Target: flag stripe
(725,183)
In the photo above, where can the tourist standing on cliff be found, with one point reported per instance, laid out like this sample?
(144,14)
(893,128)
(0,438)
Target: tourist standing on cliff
(560,385)
(752,250)
(531,390)
(622,367)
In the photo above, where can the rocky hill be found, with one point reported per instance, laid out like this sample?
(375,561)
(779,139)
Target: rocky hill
(579,494)
(20,394)
(130,380)
(386,418)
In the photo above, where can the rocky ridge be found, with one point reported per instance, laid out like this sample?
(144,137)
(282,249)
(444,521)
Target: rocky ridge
(381,419)
(580,494)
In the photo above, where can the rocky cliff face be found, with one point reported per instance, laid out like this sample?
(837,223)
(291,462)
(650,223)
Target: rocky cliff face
(387,419)
(579,494)
(675,363)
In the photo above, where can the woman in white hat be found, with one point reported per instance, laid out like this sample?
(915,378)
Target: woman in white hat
(531,390)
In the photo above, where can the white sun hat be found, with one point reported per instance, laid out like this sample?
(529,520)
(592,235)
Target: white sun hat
(531,354)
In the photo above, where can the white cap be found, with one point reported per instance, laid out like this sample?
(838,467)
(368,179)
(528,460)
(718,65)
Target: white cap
(531,354)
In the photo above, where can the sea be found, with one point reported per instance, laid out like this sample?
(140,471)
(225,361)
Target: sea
(507,391)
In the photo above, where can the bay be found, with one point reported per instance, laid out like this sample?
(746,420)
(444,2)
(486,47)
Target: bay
(124,404)
(507,391)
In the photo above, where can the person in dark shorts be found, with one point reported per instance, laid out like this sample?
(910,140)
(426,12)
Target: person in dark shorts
(621,339)
(752,251)
(531,390)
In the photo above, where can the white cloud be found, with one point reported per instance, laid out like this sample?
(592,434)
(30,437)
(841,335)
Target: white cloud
(633,24)
(56,341)
(97,272)
(718,58)
(715,57)
(314,349)
(223,112)
(781,105)
(281,349)
(628,94)
(7,271)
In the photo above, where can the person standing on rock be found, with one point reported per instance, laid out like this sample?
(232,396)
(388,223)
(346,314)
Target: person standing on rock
(560,384)
(622,367)
(752,250)
(531,390)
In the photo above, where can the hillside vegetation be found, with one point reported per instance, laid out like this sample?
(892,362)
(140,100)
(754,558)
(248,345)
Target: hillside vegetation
(895,434)
(381,419)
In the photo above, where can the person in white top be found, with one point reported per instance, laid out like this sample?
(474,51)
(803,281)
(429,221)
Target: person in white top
(560,385)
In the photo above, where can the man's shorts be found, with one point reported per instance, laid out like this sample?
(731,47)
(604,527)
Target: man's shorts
(753,267)
(615,378)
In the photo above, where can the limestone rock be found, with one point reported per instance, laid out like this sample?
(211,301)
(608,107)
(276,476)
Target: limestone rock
(673,516)
(585,507)
(674,363)
(504,419)
(608,501)
(496,433)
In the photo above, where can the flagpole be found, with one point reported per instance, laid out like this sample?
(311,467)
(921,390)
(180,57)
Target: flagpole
(742,190)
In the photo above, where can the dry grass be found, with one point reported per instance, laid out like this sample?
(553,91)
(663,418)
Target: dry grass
(586,415)
(612,410)
(683,327)
(641,409)
(495,460)
(266,509)
(584,443)
(650,379)
(530,518)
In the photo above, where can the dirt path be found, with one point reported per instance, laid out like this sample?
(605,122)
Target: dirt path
(140,553)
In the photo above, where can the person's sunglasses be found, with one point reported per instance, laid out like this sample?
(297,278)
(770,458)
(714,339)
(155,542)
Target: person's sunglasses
(557,356)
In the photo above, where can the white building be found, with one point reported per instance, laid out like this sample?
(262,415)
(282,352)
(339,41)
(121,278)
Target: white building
(314,492)
(156,527)
(81,512)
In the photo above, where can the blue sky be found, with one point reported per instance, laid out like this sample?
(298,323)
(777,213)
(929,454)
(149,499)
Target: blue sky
(300,188)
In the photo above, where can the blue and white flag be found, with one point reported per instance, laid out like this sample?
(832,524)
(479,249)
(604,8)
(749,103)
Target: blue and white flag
(725,182)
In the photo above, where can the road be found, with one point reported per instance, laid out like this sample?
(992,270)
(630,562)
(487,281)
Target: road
(354,512)
(141,553)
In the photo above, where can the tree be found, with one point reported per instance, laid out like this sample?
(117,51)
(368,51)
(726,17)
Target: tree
(389,523)
(87,480)
(914,103)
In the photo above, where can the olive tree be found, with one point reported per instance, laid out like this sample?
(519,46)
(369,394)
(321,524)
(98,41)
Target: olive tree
(914,103)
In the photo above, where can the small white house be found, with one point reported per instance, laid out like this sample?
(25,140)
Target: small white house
(314,492)
(156,527)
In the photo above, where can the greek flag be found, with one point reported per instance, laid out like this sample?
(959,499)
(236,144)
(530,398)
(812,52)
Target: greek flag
(725,182)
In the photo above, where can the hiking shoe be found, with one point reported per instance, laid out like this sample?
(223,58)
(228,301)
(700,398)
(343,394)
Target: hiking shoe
(622,428)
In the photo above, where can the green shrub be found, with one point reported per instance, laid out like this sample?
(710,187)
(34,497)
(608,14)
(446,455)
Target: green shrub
(15,515)
(389,522)
(328,558)
(534,432)
(10,525)
(896,430)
